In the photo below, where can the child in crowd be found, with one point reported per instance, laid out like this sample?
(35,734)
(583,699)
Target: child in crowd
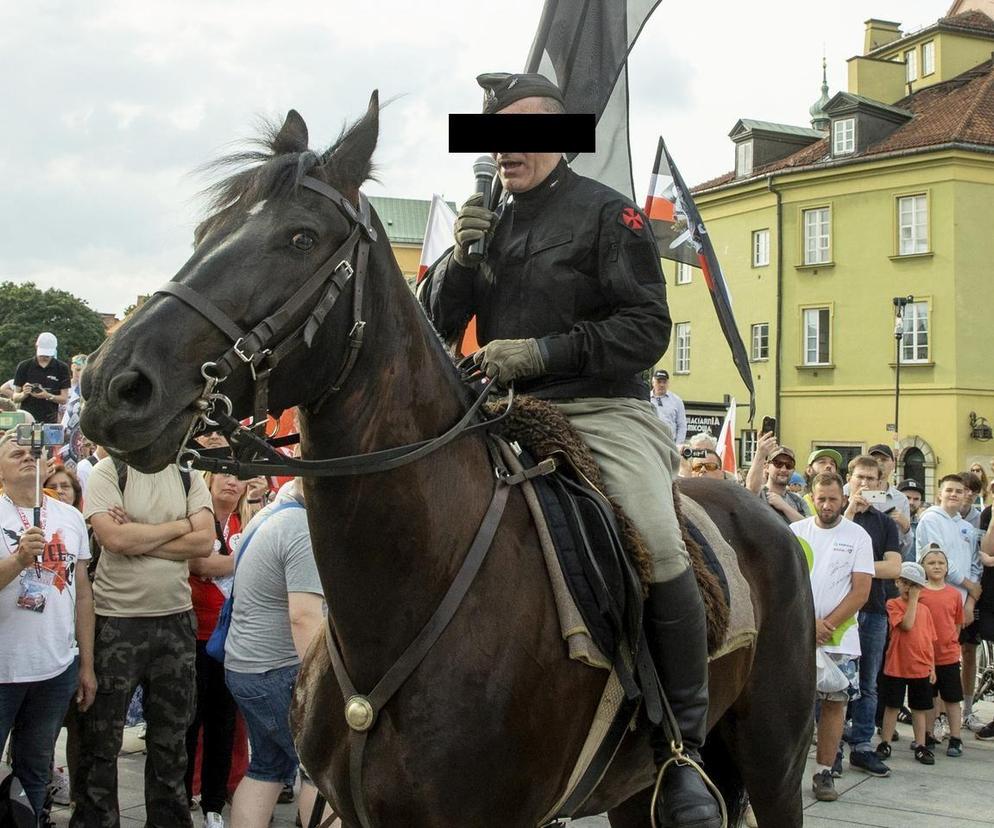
(946,607)
(910,662)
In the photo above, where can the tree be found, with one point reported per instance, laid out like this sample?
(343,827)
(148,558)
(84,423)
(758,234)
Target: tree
(26,311)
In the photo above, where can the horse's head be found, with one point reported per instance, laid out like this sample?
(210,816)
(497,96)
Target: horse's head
(267,235)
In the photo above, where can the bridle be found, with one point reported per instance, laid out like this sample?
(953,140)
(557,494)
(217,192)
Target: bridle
(260,350)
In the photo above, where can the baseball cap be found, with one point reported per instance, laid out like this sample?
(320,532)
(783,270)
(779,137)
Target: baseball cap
(46,344)
(661,374)
(786,452)
(881,448)
(913,572)
(826,452)
(910,485)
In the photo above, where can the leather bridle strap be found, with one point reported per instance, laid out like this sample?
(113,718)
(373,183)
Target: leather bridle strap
(361,711)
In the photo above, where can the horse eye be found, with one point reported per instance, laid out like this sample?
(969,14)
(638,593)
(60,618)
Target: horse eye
(302,241)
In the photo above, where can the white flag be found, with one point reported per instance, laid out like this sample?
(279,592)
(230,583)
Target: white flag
(438,233)
(726,440)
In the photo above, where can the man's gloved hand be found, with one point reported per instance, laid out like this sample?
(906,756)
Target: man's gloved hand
(504,360)
(473,223)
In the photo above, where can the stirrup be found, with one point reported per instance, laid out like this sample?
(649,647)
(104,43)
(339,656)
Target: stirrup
(679,757)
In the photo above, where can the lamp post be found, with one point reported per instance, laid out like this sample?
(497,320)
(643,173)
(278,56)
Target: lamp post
(900,303)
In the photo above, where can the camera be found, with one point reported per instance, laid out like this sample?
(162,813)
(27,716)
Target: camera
(688,453)
(37,435)
(12,419)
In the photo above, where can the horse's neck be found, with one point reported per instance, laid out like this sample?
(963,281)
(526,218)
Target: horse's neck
(388,544)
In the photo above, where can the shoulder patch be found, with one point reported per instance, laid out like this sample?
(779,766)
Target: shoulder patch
(632,219)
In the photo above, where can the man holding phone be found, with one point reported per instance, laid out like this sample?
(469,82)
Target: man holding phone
(41,384)
(776,463)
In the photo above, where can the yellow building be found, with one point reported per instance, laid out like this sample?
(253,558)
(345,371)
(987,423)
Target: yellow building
(888,196)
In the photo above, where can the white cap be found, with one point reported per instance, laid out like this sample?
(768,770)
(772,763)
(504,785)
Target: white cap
(47,344)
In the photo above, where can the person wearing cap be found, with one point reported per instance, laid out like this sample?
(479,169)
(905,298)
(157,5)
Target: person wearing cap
(668,406)
(910,662)
(821,461)
(41,384)
(769,475)
(571,307)
(896,505)
(915,493)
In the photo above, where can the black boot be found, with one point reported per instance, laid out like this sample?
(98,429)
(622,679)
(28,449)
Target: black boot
(676,630)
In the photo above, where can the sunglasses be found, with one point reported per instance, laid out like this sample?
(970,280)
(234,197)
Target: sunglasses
(704,467)
(782,464)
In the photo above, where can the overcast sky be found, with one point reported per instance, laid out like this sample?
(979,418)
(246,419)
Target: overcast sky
(109,107)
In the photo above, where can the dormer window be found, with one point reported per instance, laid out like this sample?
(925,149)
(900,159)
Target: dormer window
(743,159)
(844,136)
(911,64)
(928,58)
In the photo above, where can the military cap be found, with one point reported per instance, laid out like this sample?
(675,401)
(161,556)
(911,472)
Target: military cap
(501,89)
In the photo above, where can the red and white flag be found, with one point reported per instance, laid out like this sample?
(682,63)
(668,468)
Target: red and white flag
(438,234)
(726,440)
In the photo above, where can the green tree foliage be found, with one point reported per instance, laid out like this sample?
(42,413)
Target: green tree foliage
(26,311)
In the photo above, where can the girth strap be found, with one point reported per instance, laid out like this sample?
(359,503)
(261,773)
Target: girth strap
(361,711)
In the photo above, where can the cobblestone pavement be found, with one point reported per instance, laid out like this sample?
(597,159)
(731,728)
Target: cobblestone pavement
(952,792)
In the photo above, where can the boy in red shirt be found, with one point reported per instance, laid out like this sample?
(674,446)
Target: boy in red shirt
(910,662)
(946,606)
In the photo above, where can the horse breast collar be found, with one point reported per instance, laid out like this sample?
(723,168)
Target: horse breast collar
(262,348)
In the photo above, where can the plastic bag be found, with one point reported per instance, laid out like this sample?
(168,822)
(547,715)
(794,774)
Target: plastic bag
(830,679)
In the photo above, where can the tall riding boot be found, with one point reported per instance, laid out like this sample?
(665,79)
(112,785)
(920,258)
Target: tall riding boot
(676,629)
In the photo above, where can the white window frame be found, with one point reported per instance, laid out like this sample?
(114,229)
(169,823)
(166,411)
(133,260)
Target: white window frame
(761,247)
(759,339)
(743,158)
(684,273)
(817,223)
(912,224)
(681,336)
(911,65)
(812,335)
(748,452)
(915,341)
(928,58)
(844,136)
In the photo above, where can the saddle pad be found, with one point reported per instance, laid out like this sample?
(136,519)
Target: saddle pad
(741,616)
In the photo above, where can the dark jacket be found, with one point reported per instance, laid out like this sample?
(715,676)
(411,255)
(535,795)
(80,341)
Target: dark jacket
(574,265)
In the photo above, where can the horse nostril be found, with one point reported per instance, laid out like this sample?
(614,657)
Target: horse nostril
(130,388)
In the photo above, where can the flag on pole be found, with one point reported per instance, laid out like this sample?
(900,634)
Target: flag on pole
(726,440)
(438,233)
(685,239)
(582,46)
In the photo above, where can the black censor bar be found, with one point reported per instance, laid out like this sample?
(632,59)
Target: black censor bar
(522,133)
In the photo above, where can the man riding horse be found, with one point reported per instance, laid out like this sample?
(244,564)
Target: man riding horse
(571,306)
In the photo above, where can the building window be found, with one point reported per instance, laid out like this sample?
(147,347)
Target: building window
(844,136)
(816,236)
(760,248)
(914,344)
(682,273)
(928,58)
(682,347)
(743,158)
(912,216)
(748,446)
(817,336)
(761,341)
(911,64)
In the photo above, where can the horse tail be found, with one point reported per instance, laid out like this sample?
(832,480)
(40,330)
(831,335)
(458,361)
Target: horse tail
(718,754)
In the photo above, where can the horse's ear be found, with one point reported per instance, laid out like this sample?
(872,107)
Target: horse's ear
(349,161)
(292,136)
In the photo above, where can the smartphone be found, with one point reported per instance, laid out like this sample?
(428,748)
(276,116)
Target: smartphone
(874,497)
(40,434)
(12,419)
(769,425)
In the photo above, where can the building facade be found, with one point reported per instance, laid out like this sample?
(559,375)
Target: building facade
(870,233)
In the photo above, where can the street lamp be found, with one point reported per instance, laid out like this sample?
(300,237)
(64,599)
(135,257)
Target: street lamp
(900,303)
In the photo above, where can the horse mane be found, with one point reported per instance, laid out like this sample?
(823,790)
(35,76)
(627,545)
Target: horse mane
(271,167)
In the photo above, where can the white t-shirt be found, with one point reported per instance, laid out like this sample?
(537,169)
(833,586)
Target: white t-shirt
(38,613)
(833,556)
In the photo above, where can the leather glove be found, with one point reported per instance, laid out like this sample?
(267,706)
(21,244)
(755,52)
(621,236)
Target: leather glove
(473,223)
(504,360)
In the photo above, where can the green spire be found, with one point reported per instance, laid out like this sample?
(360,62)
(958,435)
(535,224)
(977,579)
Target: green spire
(819,119)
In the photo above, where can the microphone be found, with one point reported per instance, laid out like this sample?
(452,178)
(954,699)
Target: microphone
(484,168)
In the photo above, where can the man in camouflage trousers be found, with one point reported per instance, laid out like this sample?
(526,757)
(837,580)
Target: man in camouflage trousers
(149,526)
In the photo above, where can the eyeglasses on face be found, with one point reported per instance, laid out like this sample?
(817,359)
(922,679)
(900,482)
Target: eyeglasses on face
(704,467)
(782,464)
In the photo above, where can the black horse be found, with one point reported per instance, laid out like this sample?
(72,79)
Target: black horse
(487,728)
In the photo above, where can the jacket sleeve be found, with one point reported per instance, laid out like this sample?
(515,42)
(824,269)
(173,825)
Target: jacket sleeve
(636,331)
(450,294)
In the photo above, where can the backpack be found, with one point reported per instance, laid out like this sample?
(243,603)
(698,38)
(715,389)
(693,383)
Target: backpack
(15,810)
